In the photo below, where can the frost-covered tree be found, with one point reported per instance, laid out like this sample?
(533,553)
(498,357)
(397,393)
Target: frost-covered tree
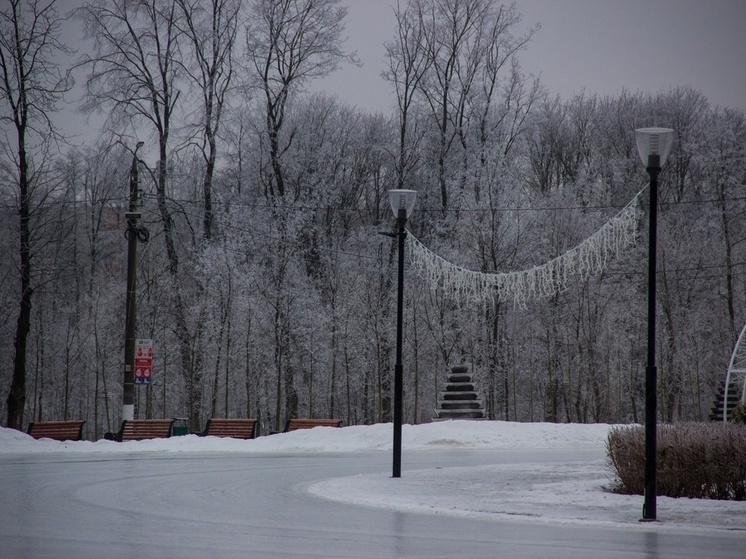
(452,53)
(288,43)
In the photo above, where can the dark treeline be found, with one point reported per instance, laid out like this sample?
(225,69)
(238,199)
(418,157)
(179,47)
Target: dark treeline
(265,284)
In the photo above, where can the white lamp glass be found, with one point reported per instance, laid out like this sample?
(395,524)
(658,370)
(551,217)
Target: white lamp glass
(402,199)
(654,141)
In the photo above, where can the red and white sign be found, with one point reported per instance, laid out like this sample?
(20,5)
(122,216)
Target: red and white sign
(143,361)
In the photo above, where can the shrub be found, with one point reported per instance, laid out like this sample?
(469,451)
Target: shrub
(738,415)
(696,460)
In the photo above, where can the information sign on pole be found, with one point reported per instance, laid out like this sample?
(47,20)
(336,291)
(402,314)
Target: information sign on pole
(143,361)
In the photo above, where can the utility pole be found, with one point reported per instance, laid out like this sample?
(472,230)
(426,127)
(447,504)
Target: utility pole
(131,234)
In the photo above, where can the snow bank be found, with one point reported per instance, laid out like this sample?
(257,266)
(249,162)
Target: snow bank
(489,435)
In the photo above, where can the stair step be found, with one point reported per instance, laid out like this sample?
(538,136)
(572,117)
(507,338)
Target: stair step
(460,387)
(460,405)
(459,414)
(720,406)
(459,395)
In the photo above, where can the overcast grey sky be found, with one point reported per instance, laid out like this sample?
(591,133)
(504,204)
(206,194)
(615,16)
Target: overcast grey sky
(600,46)
(597,46)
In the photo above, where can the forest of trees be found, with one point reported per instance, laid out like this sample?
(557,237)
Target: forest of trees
(265,285)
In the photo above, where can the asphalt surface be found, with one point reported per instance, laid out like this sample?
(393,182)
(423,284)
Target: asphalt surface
(226,505)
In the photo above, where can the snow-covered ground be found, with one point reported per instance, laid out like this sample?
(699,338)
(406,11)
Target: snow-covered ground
(571,491)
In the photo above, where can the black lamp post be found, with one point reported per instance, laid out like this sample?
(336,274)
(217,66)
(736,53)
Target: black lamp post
(654,145)
(402,202)
(128,389)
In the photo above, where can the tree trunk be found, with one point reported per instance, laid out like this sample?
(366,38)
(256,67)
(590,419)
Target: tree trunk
(17,397)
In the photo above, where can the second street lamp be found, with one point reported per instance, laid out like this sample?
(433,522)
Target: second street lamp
(654,145)
(402,203)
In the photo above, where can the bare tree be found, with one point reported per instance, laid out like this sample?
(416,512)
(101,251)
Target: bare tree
(408,63)
(446,49)
(288,43)
(455,46)
(135,72)
(210,28)
(30,87)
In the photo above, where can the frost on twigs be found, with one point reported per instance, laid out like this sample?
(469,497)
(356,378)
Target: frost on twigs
(588,258)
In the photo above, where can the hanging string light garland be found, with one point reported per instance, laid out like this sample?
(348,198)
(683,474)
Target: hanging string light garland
(588,258)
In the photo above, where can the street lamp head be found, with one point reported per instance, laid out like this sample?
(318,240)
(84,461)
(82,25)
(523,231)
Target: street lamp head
(652,142)
(402,199)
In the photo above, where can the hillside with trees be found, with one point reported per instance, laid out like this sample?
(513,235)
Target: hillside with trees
(265,285)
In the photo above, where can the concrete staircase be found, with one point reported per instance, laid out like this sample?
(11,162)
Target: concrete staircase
(459,398)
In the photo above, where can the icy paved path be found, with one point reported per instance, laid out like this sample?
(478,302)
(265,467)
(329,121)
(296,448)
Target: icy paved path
(254,506)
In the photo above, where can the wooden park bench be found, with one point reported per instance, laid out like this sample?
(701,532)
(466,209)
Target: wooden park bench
(234,428)
(57,430)
(140,429)
(295,424)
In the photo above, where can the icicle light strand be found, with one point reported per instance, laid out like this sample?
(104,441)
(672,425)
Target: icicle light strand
(588,258)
